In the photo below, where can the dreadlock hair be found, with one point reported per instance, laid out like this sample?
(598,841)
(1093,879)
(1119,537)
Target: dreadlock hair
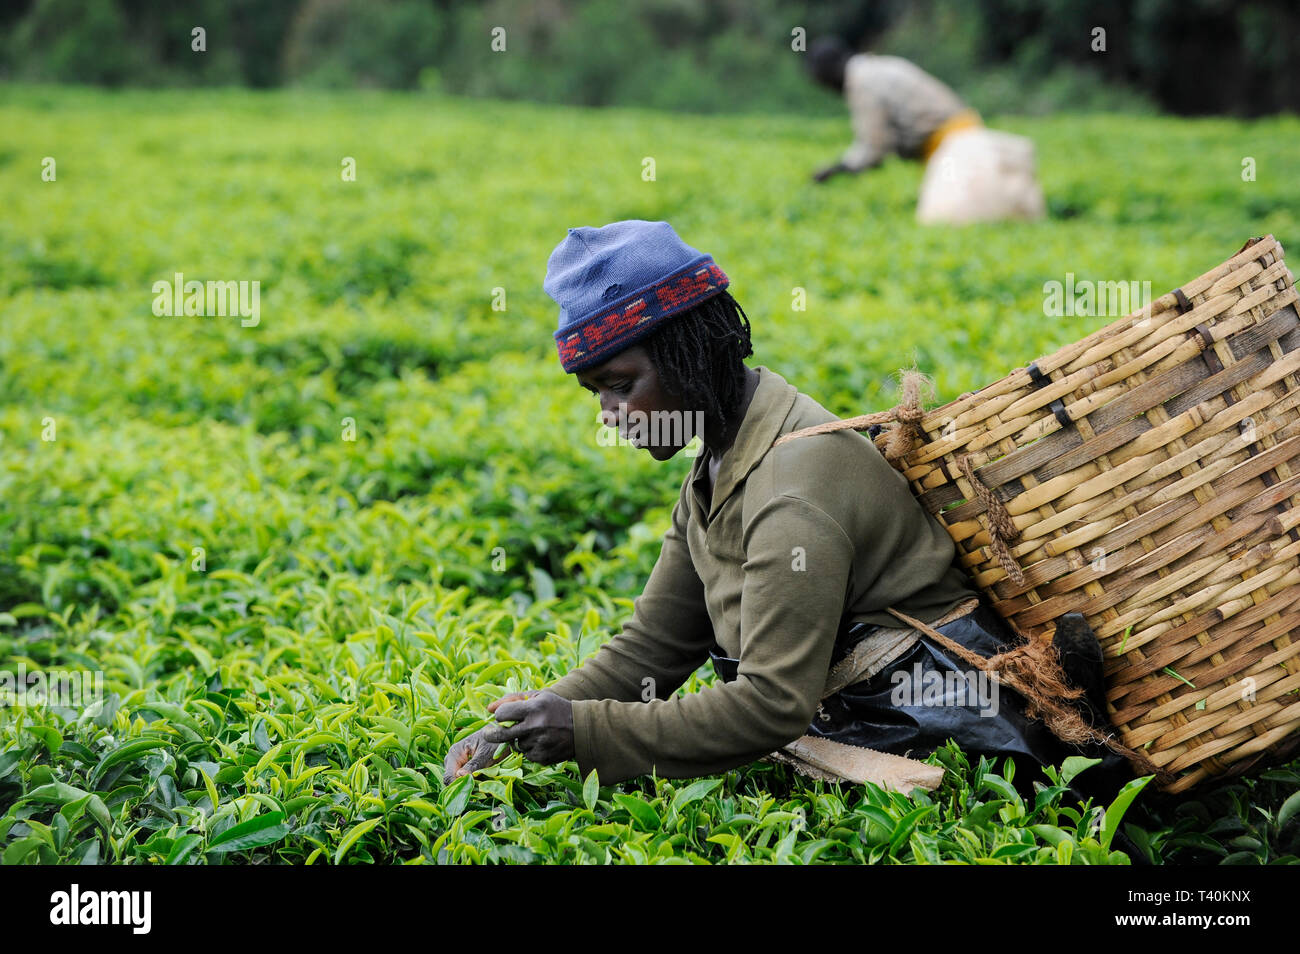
(699,354)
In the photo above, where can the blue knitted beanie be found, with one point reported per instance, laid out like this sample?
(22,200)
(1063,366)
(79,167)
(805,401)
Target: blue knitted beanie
(615,283)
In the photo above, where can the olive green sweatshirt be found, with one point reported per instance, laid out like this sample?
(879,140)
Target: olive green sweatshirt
(795,541)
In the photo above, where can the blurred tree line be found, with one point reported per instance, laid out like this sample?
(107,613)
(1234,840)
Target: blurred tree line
(1186,56)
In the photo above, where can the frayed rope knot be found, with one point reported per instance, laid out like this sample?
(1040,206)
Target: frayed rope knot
(906,417)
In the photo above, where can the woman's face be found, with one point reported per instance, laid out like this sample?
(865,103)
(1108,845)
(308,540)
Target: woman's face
(633,400)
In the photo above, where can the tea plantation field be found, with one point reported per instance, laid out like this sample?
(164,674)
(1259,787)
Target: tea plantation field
(306,551)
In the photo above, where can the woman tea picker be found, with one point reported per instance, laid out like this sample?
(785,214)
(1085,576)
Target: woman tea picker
(777,562)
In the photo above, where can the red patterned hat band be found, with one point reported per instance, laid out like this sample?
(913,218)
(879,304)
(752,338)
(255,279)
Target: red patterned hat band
(619,326)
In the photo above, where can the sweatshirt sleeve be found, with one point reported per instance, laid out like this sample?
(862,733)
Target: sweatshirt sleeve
(791,604)
(667,638)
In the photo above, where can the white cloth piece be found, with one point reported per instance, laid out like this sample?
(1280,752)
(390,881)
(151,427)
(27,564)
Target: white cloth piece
(980,175)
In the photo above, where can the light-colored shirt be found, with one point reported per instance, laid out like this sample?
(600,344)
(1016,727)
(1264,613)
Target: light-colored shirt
(894,107)
(796,541)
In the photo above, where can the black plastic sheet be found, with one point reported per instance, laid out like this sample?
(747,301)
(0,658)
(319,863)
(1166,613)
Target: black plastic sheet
(927,696)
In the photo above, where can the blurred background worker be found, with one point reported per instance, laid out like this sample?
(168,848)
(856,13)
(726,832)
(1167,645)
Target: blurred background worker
(972,174)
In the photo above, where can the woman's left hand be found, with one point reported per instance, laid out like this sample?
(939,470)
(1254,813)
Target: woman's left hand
(543,726)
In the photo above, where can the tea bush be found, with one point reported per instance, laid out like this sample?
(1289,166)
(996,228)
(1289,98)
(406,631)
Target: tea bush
(306,552)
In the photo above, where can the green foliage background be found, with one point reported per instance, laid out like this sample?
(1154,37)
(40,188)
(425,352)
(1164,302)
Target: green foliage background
(293,699)
(1021,56)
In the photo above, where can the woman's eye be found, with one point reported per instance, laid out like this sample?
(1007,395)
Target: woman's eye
(622,387)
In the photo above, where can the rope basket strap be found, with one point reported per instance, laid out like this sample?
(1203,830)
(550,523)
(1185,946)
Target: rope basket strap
(1001,527)
(902,438)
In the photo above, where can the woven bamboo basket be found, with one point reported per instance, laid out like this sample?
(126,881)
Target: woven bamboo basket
(1147,477)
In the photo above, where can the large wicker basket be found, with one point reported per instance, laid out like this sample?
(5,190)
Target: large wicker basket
(1147,472)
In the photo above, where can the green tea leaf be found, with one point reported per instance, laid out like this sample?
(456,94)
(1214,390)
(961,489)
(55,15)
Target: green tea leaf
(455,796)
(183,848)
(693,792)
(265,829)
(125,753)
(354,835)
(1115,812)
(1075,764)
(1288,809)
(645,817)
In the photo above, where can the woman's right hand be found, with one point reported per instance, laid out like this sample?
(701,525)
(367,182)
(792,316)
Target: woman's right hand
(475,752)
